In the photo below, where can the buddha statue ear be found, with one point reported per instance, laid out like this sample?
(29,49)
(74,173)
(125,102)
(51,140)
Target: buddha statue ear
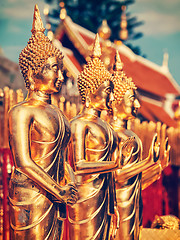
(114,111)
(88,100)
(31,79)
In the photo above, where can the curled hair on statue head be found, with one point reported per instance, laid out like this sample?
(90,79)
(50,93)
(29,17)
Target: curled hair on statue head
(121,85)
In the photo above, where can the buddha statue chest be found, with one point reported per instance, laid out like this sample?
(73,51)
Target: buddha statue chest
(97,142)
(49,130)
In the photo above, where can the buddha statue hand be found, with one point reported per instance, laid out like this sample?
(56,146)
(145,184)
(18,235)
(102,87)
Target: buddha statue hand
(165,154)
(154,152)
(126,151)
(68,194)
(114,224)
(69,174)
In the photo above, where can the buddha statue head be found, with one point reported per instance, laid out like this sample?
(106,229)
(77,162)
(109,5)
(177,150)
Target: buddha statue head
(40,61)
(125,103)
(94,82)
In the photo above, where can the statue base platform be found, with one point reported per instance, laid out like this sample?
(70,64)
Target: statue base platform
(160,234)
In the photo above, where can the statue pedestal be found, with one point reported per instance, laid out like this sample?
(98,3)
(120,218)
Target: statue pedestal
(160,234)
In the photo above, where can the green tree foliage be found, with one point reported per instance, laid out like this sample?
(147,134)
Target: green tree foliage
(90,14)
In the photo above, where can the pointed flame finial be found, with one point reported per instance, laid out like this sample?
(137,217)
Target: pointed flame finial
(37,25)
(165,60)
(96,52)
(118,65)
(104,30)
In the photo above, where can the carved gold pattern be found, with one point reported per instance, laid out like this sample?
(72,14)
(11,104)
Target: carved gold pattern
(166,222)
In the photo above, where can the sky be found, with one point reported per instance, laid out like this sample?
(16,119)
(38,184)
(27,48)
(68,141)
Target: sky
(161,29)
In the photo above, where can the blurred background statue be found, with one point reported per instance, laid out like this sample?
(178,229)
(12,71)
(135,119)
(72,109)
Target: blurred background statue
(40,185)
(94,146)
(128,179)
(166,222)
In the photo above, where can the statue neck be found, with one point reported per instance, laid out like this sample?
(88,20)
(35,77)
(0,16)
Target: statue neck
(118,123)
(90,111)
(40,96)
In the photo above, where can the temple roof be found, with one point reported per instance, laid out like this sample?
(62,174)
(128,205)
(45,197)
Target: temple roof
(154,82)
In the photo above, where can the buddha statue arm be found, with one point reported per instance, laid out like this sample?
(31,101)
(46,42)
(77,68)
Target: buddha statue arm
(20,122)
(81,164)
(153,173)
(83,167)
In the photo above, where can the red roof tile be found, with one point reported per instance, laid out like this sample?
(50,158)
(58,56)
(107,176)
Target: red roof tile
(157,113)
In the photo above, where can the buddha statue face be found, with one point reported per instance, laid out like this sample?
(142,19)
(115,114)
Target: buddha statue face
(103,96)
(49,79)
(128,107)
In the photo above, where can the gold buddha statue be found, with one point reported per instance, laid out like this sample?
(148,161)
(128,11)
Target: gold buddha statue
(128,179)
(40,184)
(95,154)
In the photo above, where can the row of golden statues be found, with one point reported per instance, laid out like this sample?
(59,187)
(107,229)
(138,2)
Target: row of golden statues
(88,170)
